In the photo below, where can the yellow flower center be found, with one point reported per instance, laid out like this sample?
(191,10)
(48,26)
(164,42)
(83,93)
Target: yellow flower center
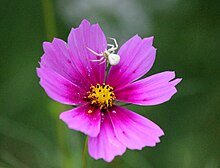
(102,96)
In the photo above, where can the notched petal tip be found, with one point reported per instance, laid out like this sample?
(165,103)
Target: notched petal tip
(85,21)
(151,37)
(176,81)
(38,71)
(55,40)
(149,41)
(45,45)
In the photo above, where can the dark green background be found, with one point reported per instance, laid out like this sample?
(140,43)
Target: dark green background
(187,38)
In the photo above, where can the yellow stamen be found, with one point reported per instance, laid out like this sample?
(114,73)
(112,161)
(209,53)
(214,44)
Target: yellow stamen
(102,96)
(89,111)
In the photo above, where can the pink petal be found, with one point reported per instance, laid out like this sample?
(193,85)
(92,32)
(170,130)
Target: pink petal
(176,81)
(137,57)
(152,90)
(105,146)
(79,39)
(57,58)
(133,130)
(81,119)
(59,88)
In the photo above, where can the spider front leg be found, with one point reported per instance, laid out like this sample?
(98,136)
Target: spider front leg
(110,45)
(100,55)
(99,60)
(114,47)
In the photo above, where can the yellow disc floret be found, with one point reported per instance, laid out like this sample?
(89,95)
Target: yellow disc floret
(102,96)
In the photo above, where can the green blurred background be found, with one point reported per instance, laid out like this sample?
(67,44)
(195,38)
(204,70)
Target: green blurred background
(187,38)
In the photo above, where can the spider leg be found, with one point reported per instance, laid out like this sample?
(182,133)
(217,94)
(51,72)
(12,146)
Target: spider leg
(112,48)
(98,60)
(116,44)
(111,45)
(100,55)
(102,61)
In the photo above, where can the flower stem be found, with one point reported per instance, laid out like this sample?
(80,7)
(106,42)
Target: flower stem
(107,70)
(126,104)
(49,19)
(85,150)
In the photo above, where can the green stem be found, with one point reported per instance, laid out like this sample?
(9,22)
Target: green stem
(126,104)
(85,150)
(107,70)
(49,19)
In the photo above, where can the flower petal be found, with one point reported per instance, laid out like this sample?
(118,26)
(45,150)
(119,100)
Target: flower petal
(81,119)
(137,57)
(105,146)
(152,90)
(79,40)
(59,88)
(133,130)
(176,81)
(57,58)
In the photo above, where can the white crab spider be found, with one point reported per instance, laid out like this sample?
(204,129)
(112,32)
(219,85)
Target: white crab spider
(108,54)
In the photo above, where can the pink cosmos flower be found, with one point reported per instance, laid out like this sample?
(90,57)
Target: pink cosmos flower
(68,76)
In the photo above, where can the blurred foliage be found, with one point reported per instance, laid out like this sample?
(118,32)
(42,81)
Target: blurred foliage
(187,39)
